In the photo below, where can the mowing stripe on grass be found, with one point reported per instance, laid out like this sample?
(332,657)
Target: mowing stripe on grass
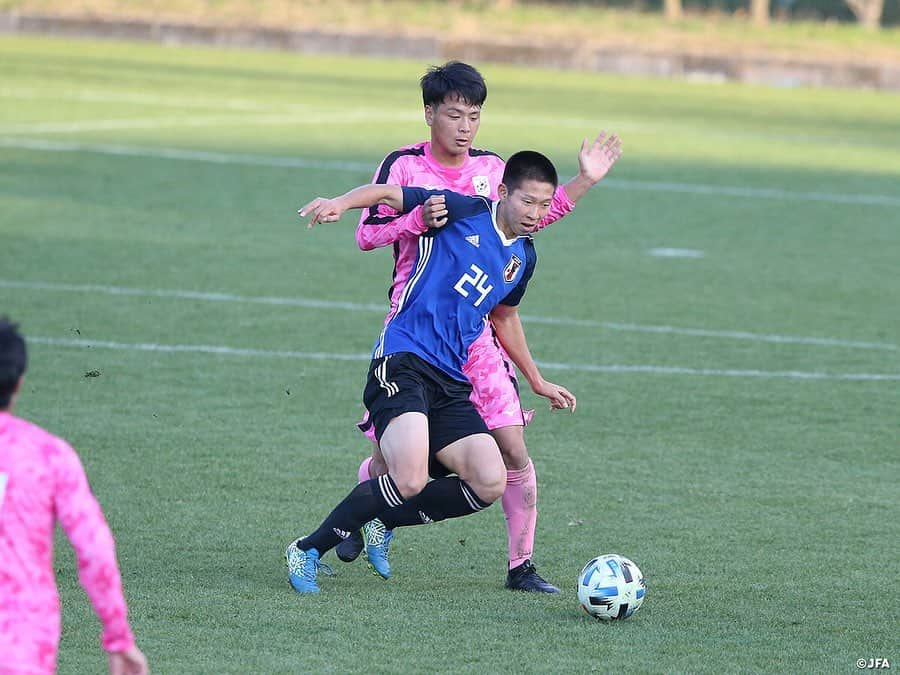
(580,367)
(681,126)
(368,167)
(366,307)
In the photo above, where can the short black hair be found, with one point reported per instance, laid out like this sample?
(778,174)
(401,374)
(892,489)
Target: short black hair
(454,78)
(13,360)
(528,165)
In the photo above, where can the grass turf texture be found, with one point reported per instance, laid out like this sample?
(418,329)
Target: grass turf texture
(763,510)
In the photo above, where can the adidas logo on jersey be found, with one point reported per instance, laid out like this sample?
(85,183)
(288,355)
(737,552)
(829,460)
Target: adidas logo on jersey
(425,519)
(473,239)
(343,534)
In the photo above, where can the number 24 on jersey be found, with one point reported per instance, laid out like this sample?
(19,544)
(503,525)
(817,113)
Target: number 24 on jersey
(477,280)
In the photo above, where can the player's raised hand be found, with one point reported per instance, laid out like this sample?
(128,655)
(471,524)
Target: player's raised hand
(129,662)
(560,397)
(434,211)
(597,158)
(323,210)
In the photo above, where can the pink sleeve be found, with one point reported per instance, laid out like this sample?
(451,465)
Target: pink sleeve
(560,207)
(82,520)
(381,225)
(382,230)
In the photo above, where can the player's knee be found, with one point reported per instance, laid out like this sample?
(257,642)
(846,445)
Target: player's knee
(511,441)
(491,482)
(410,486)
(514,453)
(494,492)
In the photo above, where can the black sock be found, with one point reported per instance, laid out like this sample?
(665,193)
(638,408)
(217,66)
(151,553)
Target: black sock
(442,498)
(363,503)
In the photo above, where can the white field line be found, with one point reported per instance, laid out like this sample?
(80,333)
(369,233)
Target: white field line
(193,295)
(217,121)
(195,349)
(313,303)
(99,96)
(579,367)
(368,167)
(753,193)
(707,333)
(675,253)
(185,155)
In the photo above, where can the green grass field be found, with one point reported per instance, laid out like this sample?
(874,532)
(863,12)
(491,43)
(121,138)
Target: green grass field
(737,432)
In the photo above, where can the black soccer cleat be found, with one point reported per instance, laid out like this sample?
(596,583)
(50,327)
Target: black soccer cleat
(349,549)
(525,578)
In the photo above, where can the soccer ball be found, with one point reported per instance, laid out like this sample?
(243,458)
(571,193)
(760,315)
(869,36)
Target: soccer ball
(611,587)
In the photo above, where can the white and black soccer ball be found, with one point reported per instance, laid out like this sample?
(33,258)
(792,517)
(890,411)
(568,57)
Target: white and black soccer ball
(611,587)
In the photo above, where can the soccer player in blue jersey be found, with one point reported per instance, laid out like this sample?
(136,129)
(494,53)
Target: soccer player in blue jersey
(475,260)
(453,95)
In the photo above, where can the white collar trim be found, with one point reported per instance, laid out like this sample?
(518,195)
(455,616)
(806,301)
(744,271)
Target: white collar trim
(503,238)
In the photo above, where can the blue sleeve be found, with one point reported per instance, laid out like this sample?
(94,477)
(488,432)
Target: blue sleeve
(514,297)
(458,206)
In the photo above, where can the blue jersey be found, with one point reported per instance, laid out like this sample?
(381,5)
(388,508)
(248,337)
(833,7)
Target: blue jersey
(462,271)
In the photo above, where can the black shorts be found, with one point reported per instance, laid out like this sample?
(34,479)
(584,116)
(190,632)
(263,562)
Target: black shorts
(404,382)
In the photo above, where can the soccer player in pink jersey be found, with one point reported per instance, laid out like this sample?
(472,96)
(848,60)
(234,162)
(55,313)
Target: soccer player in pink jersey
(41,482)
(453,95)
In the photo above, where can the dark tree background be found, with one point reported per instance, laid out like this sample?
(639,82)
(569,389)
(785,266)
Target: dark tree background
(862,11)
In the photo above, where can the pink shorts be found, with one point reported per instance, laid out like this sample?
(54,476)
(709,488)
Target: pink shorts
(495,389)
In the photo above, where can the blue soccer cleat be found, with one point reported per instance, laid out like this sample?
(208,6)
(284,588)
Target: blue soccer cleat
(303,566)
(378,544)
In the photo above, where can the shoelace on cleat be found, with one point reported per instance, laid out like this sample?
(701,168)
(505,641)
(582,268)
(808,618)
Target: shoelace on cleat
(374,532)
(297,566)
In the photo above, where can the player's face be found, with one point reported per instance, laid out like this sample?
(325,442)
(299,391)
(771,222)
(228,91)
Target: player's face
(454,124)
(522,210)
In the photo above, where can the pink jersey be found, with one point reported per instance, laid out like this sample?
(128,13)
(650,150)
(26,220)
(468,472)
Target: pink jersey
(414,165)
(42,481)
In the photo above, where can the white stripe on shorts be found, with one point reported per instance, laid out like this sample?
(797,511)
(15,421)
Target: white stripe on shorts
(381,374)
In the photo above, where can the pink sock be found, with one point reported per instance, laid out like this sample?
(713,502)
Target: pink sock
(363,474)
(520,507)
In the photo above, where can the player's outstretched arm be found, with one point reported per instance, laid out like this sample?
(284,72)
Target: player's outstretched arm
(594,161)
(325,210)
(508,327)
(375,232)
(82,520)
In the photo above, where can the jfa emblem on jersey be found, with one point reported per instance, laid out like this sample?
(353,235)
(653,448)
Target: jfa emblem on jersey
(482,185)
(512,268)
